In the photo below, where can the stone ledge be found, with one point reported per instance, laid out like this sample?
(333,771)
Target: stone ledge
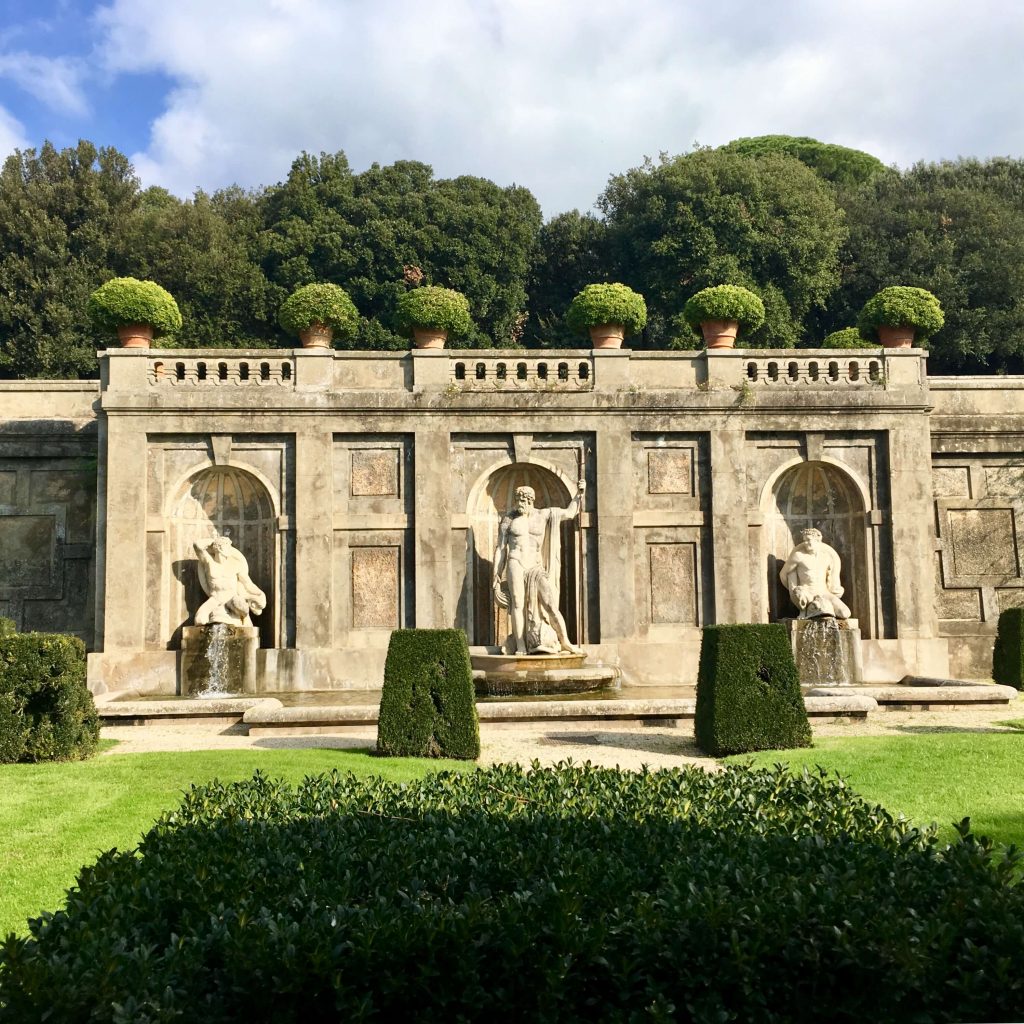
(921,698)
(141,712)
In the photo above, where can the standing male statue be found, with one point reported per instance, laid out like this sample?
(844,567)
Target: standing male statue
(224,574)
(529,552)
(811,575)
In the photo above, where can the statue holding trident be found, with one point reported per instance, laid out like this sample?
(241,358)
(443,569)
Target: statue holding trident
(811,575)
(224,575)
(528,551)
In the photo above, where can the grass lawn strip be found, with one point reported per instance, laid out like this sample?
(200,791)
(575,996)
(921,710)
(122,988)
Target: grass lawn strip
(939,777)
(54,818)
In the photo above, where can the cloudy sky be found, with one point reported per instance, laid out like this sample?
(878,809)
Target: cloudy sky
(555,95)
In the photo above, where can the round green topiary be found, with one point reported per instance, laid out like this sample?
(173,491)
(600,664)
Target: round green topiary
(435,309)
(600,304)
(126,300)
(326,304)
(725,302)
(900,306)
(848,337)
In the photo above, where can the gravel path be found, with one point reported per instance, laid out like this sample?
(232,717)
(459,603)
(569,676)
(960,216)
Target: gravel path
(623,744)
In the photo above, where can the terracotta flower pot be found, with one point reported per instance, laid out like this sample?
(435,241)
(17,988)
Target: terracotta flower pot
(607,335)
(427,337)
(896,337)
(316,336)
(135,335)
(719,333)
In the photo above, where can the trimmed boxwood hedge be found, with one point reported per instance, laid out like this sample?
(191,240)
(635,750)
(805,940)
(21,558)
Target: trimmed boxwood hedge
(127,300)
(1008,652)
(599,304)
(46,710)
(434,308)
(564,894)
(327,304)
(748,691)
(428,705)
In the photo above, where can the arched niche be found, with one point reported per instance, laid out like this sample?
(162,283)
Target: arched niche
(825,496)
(489,500)
(232,502)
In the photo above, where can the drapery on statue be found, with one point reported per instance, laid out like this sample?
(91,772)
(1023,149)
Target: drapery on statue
(224,575)
(811,575)
(529,552)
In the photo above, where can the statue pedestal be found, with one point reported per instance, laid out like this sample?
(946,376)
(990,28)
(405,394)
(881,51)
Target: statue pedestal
(827,651)
(515,675)
(218,660)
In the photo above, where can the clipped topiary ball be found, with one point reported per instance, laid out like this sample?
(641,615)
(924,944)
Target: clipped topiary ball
(327,304)
(848,337)
(435,309)
(600,304)
(900,306)
(126,300)
(725,302)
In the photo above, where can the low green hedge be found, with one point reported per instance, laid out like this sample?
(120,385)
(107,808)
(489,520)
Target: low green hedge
(1008,651)
(126,300)
(564,894)
(327,304)
(46,710)
(900,306)
(600,304)
(436,309)
(725,302)
(848,337)
(748,691)
(428,705)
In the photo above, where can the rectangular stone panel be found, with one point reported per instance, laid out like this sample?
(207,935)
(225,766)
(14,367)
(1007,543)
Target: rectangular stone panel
(955,604)
(376,588)
(1004,481)
(951,482)
(673,575)
(375,472)
(26,551)
(1010,598)
(8,481)
(984,542)
(669,471)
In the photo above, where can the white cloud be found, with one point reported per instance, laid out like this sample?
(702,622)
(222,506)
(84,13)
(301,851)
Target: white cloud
(12,134)
(558,96)
(55,82)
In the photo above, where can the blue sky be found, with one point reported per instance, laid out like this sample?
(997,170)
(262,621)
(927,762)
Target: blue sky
(552,94)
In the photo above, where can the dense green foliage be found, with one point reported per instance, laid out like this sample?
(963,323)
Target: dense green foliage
(57,815)
(428,705)
(814,229)
(368,232)
(552,895)
(599,304)
(846,337)
(1008,651)
(46,710)
(748,691)
(837,164)
(436,309)
(957,229)
(899,306)
(326,304)
(711,217)
(127,300)
(725,302)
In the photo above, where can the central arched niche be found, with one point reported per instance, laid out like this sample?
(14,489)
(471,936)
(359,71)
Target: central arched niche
(821,495)
(228,501)
(487,504)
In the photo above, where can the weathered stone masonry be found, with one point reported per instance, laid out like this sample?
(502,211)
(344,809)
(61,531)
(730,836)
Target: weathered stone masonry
(365,490)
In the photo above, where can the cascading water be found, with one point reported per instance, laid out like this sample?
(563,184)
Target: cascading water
(824,652)
(217,655)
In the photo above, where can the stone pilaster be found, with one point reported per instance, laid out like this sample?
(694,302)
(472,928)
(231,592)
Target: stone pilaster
(615,571)
(730,541)
(314,534)
(433,541)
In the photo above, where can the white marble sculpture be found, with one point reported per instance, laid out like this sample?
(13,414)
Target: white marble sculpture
(224,575)
(528,551)
(811,575)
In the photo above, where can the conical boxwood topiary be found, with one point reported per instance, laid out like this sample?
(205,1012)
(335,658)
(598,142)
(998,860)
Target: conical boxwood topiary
(1008,652)
(427,707)
(748,691)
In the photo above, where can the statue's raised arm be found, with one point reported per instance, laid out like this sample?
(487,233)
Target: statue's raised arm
(224,575)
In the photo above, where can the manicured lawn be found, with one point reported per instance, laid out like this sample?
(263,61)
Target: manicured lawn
(56,817)
(929,776)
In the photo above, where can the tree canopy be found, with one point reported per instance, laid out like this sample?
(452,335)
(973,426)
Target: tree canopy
(839,165)
(713,217)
